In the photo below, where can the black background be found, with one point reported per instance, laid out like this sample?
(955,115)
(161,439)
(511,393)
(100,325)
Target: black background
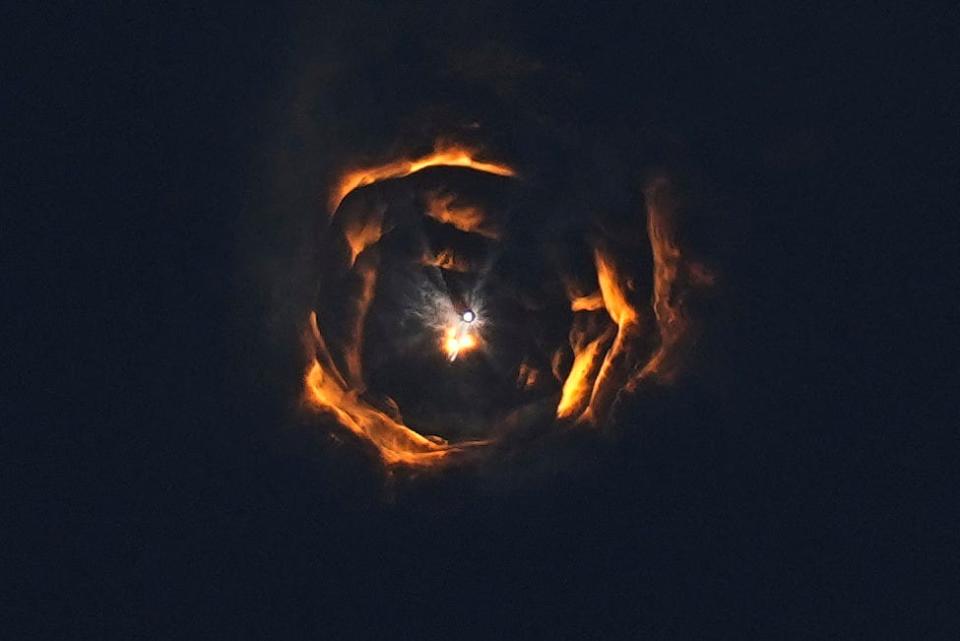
(159,492)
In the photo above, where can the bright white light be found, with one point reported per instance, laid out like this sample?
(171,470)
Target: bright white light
(468,316)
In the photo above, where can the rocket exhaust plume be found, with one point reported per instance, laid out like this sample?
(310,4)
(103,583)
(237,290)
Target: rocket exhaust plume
(419,314)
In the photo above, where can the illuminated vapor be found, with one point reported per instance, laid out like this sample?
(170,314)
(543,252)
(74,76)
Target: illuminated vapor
(599,372)
(443,155)
(588,303)
(675,279)
(616,341)
(579,382)
(620,357)
(363,230)
(466,218)
(328,392)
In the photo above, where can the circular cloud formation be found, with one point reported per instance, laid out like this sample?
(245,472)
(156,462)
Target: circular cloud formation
(455,315)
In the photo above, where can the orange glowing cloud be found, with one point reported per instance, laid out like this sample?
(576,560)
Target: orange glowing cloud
(443,155)
(588,303)
(328,392)
(362,232)
(466,218)
(616,341)
(587,356)
(675,278)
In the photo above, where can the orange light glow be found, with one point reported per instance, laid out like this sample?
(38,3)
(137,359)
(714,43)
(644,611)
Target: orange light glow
(588,303)
(446,259)
(602,368)
(616,341)
(619,358)
(362,232)
(576,389)
(458,340)
(443,155)
(599,366)
(466,218)
(338,391)
(612,290)
(354,318)
(327,392)
(674,279)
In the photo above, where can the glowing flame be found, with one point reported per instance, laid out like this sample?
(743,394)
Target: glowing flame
(443,155)
(458,339)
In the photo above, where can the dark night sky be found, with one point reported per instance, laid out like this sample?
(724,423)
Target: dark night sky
(161,489)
